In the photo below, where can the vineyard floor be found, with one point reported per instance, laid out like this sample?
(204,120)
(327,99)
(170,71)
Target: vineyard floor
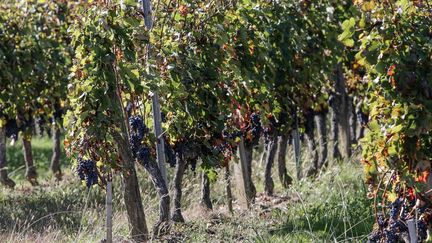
(333,208)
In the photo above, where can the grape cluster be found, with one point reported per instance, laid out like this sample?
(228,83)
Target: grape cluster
(391,229)
(192,151)
(256,128)
(189,150)
(391,236)
(14,126)
(362,118)
(382,223)
(137,126)
(169,153)
(135,142)
(25,122)
(87,171)
(58,113)
(283,118)
(143,154)
(309,123)
(138,130)
(12,129)
(375,236)
(226,150)
(231,136)
(421,230)
(163,117)
(255,118)
(193,164)
(395,207)
(270,129)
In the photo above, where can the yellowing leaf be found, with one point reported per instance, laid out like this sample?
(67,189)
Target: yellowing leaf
(391,197)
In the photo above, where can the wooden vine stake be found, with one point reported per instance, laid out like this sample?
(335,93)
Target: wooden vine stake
(243,181)
(296,143)
(157,171)
(412,230)
(160,145)
(239,190)
(157,119)
(109,209)
(228,188)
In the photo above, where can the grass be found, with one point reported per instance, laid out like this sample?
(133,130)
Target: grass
(42,152)
(332,207)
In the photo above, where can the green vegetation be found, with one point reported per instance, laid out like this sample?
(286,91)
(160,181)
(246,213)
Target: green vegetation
(331,207)
(125,87)
(42,147)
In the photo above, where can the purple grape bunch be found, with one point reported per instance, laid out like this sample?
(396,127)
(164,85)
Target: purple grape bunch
(137,126)
(137,133)
(392,229)
(257,128)
(87,171)
(170,153)
(12,129)
(270,130)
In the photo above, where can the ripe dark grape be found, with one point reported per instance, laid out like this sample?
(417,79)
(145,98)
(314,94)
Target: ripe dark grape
(256,128)
(283,118)
(135,122)
(255,118)
(12,129)
(225,133)
(270,130)
(58,113)
(220,148)
(362,118)
(135,142)
(422,209)
(143,154)
(163,117)
(170,153)
(394,228)
(272,120)
(391,236)
(256,134)
(236,135)
(87,171)
(375,237)
(25,123)
(232,136)
(404,213)
(395,206)
(382,223)
(256,131)
(206,150)
(193,164)
(138,130)
(137,126)
(422,230)
(399,226)
(309,124)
